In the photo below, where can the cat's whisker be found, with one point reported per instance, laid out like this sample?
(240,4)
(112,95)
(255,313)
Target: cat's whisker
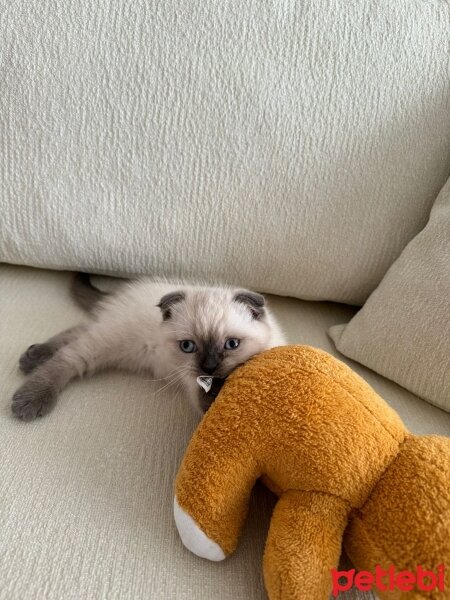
(174,372)
(176,379)
(177,372)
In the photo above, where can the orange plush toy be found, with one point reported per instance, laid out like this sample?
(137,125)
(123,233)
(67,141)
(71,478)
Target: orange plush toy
(345,469)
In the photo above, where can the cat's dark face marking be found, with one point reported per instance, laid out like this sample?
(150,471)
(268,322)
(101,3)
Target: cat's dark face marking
(210,357)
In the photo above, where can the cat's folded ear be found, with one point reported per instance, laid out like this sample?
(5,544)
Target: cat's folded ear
(254,301)
(167,301)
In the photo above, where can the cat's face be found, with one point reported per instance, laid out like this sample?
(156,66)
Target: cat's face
(210,331)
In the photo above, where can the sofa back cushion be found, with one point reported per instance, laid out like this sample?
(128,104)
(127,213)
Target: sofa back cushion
(403,330)
(291,147)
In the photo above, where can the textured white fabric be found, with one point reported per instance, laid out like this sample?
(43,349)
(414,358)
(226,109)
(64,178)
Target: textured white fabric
(86,493)
(403,330)
(292,147)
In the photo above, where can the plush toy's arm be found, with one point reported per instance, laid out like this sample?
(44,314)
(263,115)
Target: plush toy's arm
(213,489)
(193,537)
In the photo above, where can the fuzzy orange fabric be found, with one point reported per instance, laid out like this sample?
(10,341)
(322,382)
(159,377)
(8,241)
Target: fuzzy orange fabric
(342,463)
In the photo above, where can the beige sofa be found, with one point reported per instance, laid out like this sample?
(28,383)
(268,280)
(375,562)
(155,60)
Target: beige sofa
(290,147)
(86,492)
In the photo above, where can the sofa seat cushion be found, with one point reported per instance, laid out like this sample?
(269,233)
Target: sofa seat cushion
(86,492)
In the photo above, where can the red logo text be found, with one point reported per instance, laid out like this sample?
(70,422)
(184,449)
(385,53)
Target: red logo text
(389,579)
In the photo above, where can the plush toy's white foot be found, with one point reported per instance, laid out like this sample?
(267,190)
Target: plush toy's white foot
(193,537)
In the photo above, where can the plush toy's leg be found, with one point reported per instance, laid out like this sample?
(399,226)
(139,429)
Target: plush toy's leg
(303,545)
(406,521)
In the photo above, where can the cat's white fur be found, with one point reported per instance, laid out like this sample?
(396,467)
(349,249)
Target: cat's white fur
(128,332)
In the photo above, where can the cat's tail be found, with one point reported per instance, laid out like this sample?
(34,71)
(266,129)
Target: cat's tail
(86,295)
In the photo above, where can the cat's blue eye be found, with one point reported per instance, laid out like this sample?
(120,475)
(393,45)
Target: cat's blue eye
(188,346)
(232,344)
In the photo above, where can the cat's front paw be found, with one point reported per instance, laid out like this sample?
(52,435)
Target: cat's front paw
(33,399)
(34,356)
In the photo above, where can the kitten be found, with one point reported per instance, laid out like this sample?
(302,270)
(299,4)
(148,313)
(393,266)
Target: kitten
(174,333)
